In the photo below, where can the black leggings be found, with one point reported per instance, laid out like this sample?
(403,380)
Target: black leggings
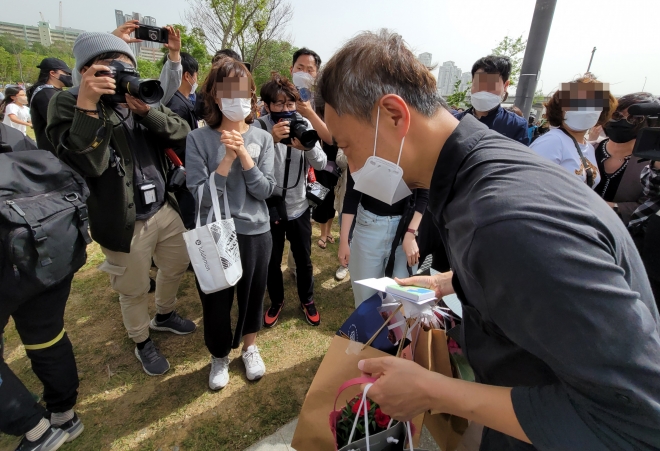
(255,253)
(39,321)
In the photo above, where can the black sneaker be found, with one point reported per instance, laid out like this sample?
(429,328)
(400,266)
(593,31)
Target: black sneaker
(74,427)
(153,362)
(311,314)
(174,324)
(52,439)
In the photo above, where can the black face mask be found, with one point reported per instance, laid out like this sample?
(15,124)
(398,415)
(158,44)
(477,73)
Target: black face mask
(621,131)
(66,79)
(278,116)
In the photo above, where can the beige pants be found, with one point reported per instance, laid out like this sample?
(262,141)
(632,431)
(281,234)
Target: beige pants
(159,237)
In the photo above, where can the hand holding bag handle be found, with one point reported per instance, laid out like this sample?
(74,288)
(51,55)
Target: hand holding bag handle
(363,405)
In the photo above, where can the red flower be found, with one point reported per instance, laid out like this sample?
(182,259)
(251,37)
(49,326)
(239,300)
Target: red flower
(358,405)
(382,420)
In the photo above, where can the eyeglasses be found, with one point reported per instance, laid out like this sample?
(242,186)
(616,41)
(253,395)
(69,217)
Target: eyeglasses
(279,106)
(633,120)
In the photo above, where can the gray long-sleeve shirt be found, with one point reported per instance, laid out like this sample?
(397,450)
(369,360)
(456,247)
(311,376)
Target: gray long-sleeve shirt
(296,197)
(556,301)
(247,190)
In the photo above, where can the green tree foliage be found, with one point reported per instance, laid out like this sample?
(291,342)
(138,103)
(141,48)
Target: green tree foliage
(458,97)
(278,57)
(515,50)
(18,63)
(255,27)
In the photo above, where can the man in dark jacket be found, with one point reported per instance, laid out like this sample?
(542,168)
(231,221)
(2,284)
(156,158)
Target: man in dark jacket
(490,81)
(559,321)
(119,149)
(181,105)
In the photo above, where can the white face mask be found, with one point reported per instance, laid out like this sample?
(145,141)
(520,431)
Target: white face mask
(193,87)
(485,101)
(236,109)
(381,179)
(582,120)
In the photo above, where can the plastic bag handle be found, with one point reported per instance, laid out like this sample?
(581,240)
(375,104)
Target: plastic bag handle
(352,382)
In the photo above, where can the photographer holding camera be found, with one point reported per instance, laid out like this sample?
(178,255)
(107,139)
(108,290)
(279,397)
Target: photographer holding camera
(296,148)
(112,130)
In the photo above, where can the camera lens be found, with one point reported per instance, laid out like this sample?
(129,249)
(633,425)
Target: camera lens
(153,35)
(149,91)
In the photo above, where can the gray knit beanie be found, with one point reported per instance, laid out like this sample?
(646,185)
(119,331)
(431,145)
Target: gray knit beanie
(92,44)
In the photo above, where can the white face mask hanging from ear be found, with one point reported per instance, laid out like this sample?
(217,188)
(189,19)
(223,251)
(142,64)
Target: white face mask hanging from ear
(382,179)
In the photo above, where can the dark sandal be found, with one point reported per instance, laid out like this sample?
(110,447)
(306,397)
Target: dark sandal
(330,239)
(319,245)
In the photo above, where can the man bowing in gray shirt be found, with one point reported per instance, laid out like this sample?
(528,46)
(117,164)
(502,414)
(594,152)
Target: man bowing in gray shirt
(559,322)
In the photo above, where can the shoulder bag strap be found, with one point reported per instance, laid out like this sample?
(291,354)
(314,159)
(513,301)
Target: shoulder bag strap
(585,162)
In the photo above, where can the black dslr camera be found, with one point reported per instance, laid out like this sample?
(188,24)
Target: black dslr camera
(647,145)
(298,129)
(128,81)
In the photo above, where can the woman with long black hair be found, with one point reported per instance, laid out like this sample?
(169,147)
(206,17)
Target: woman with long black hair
(53,76)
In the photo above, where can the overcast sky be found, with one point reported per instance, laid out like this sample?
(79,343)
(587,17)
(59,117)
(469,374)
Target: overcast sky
(460,31)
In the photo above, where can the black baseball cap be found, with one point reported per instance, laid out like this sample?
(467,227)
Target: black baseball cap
(54,64)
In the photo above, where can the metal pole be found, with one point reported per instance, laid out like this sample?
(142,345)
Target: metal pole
(536,43)
(592,58)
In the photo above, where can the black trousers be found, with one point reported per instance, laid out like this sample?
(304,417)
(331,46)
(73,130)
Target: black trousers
(39,321)
(430,243)
(299,233)
(250,290)
(186,203)
(649,249)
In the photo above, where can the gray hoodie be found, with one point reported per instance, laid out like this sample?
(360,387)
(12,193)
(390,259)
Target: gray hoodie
(247,190)
(296,198)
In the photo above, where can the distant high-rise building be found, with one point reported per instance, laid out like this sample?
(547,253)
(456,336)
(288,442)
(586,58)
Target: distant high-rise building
(425,59)
(447,77)
(42,34)
(466,78)
(137,47)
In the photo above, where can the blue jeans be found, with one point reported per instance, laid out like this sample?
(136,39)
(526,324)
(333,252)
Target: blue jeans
(370,251)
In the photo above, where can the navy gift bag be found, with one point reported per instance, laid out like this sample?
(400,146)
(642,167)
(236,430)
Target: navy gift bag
(365,321)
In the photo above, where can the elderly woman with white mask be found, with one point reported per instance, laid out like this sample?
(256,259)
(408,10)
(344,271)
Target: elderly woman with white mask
(573,110)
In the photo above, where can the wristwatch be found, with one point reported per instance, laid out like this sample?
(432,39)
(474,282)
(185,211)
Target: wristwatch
(413,231)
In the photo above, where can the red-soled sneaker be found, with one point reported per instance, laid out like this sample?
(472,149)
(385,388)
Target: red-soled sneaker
(311,313)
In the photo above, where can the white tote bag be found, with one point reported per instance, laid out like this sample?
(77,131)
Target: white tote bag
(213,248)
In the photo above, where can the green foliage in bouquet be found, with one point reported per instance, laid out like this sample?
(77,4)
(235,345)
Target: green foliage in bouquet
(376,420)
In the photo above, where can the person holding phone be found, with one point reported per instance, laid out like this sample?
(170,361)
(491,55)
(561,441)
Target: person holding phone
(172,71)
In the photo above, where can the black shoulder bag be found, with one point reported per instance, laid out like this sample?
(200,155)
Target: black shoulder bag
(591,177)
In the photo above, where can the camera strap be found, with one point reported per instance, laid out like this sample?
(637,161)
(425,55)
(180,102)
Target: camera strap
(287,164)
(585,163)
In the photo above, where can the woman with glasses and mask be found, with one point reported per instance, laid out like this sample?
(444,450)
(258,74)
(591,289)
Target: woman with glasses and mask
(620,171)
(54,74)
(575,108)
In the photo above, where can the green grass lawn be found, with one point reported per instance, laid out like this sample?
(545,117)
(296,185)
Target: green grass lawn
(125,409)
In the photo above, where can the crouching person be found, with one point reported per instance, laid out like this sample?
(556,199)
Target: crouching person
(240,157)
(35,276)
(117,143)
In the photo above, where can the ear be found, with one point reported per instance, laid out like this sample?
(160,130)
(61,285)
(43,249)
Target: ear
(394,111)
(506,84)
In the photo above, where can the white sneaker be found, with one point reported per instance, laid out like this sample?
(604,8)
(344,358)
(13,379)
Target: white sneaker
(341,273)
(219,376)
(254,365)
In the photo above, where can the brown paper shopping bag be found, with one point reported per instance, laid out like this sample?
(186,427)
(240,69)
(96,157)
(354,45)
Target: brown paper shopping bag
(313,432)
(432,353)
